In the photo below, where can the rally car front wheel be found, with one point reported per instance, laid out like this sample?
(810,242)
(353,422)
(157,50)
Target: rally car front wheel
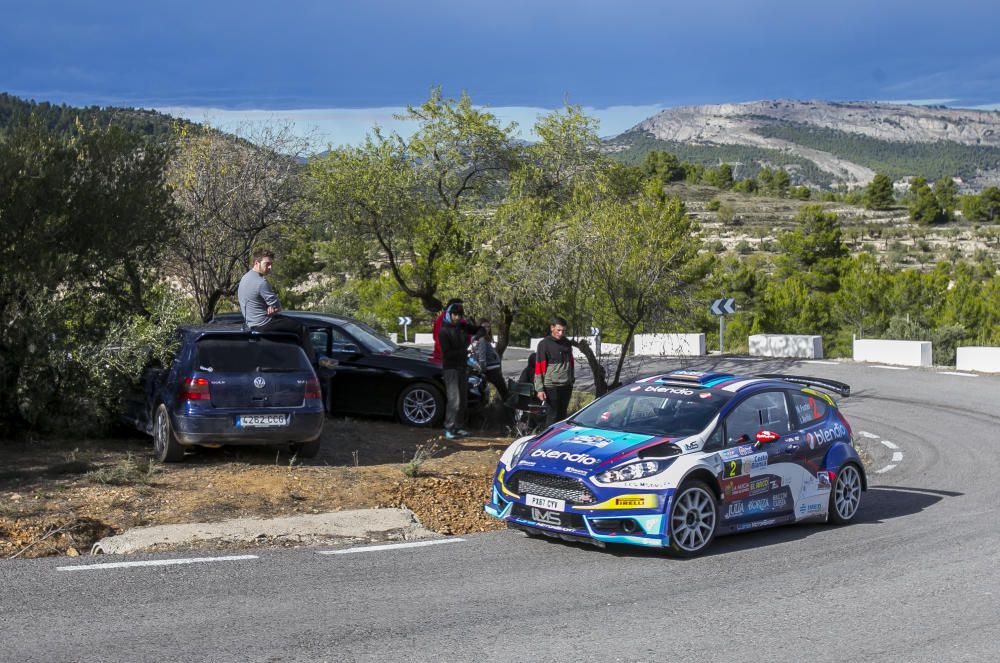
(693,519)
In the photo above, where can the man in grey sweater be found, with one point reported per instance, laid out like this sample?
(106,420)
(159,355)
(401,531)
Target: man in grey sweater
(260,306)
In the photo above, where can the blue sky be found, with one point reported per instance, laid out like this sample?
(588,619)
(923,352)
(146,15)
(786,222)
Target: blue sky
(335,68)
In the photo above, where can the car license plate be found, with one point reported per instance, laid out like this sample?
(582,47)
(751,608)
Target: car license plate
(545,502)
(262,420)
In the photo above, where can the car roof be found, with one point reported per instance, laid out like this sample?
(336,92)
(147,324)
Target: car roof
(228,329)
(735,383)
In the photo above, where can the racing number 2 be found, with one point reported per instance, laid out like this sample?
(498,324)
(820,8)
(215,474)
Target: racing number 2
(732,468)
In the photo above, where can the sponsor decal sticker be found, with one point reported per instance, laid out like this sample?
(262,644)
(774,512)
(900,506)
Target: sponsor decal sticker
(758,461)
(811,440)
(736,488)
(705,394)
(677,391)
(637,501)
(589,440)
(575,470)
(735,509)
(823,479)
(759,485)
(545,517)
(779,501)
(582,459)
(758,506)
(635,388)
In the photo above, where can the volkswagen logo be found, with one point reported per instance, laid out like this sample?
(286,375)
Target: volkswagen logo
(259,382)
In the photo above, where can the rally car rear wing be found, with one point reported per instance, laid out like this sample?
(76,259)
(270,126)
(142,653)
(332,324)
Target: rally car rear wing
(830,385)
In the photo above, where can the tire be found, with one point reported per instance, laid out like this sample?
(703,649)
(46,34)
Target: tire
(845,495)
(420,405)
(166,448)
(693,519)
(306,449)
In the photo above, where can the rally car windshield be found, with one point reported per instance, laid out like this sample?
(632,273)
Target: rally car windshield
(654,409)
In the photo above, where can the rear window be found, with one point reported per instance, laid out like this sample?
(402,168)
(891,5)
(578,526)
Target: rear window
(654,409)
(240,355)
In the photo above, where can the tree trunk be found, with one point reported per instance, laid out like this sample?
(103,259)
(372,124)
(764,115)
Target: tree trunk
(600,381)
(503,329)
(621,356)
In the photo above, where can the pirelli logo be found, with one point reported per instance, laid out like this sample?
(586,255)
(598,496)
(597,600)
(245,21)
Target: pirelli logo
(640,501)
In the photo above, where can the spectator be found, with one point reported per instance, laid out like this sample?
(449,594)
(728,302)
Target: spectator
(554,371)
(455,361)
(436,353)
(488,358)
(260,306)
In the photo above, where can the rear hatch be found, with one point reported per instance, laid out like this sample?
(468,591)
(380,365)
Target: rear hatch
(253,373)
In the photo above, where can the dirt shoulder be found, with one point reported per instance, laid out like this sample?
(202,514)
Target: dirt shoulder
(58,497)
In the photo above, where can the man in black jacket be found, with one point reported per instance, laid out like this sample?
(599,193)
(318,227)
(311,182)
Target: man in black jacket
(554,371)
(454,338)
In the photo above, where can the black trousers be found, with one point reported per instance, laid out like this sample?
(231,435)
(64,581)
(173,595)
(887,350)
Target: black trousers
(558,401)
(456,383)
(495,377)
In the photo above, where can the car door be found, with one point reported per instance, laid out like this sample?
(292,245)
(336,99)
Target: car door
(320,339)
(360,383)
(818,428)
(756,481)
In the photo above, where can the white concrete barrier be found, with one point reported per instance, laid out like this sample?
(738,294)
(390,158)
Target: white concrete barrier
(786,345)
(977,358)
(902,353)
(423,339)
(670,345)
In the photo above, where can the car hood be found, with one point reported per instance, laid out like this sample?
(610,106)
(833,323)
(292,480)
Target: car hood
(568,448)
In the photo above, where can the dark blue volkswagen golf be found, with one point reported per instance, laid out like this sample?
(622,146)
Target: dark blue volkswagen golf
(230,386)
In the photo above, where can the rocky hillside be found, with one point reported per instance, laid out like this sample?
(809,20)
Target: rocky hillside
(827,143)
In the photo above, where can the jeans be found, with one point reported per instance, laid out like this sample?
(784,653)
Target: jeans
(495,377)
(558,400)
(456,384)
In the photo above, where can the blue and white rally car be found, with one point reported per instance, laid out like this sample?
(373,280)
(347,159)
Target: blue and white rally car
(674,460)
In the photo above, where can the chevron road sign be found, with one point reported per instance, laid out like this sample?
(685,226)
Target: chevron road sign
(723,306)
(404,320)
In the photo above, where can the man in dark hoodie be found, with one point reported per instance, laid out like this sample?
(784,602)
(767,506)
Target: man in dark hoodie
(454,339)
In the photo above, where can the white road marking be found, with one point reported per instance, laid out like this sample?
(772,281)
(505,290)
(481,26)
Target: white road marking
(817,361)
(154,562)
(961,375)
(870,436)
(897,456)
(390,546)
(892,368)
(889,444)
(884,469)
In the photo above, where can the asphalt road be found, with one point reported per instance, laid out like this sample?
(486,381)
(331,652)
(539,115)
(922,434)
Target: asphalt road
(913,579)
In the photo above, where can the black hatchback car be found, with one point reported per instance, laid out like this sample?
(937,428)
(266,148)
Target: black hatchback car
(373,375)
(229,386)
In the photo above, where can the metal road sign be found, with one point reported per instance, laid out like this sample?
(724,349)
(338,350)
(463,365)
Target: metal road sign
(723,306)
(595,331)
(404,320)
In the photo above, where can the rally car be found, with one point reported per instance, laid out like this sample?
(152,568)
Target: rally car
(674,460)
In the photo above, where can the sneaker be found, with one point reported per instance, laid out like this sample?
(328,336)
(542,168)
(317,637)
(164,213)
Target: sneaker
(449,435)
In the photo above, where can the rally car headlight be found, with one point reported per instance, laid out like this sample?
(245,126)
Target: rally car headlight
(632,471)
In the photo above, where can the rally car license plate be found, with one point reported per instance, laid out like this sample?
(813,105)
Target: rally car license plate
(262,420)
(545,502)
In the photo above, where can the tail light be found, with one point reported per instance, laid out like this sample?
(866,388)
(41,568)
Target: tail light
(312,389)
(195,389)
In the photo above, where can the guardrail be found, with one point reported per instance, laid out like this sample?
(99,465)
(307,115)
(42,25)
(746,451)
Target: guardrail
(977,358)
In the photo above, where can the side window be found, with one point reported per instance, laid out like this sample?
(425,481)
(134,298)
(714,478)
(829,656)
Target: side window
(808,408)
(320,339)
(342,342)
(766,411)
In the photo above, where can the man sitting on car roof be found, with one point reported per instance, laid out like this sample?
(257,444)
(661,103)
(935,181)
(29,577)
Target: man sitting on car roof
(260,305)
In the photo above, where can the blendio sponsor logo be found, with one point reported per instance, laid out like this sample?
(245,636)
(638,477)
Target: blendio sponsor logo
(670,390)
(582,459)
(824,435)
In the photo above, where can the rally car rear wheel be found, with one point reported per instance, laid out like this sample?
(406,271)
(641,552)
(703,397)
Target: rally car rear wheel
(693,519)
(845,496)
